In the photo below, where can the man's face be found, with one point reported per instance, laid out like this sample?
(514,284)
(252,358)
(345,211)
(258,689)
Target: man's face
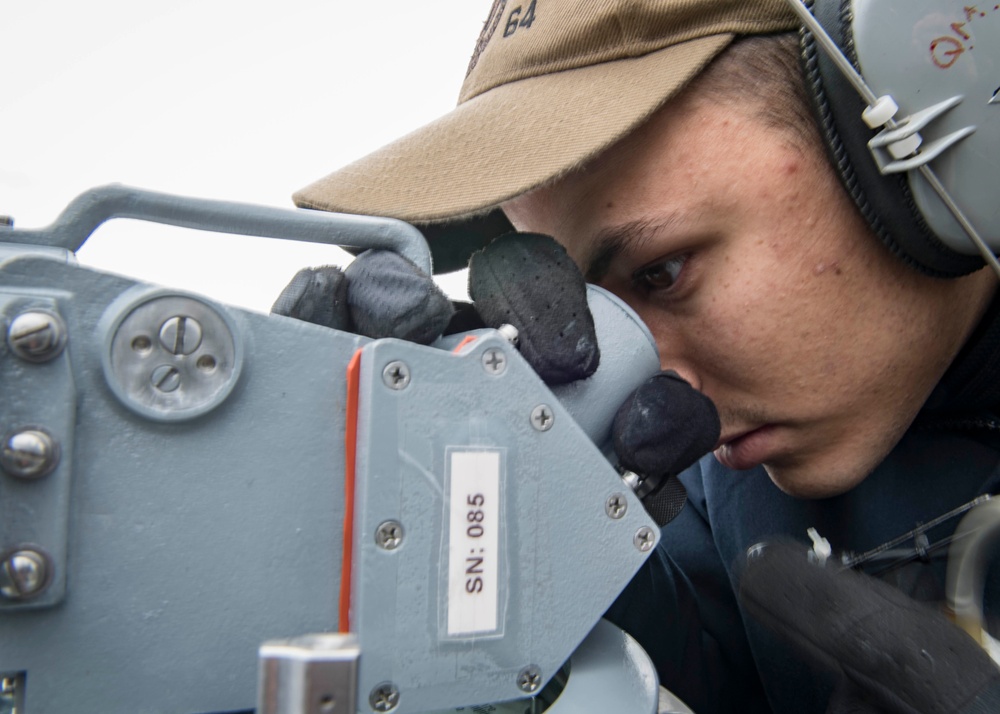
(763,287)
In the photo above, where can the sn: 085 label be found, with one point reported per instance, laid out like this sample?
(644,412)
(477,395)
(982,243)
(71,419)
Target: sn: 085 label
(473,542)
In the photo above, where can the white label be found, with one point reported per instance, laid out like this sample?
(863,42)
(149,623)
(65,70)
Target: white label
(473,543)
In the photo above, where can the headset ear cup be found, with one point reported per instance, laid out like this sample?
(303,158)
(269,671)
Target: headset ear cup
(885,201)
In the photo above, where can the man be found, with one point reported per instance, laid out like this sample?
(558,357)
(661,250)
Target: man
(669,147)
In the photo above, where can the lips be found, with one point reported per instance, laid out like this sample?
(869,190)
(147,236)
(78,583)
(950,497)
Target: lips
(746,450)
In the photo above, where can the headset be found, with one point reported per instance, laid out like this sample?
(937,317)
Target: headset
(907,93)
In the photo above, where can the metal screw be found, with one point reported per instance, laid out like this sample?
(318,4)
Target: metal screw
(644,539)
(23,575)
(9,699)
(396,375)
(494,361)
(632,480)
(542,417)
(616,506)
(36,336)
(529,679)
(180,335)
(166,378)
(29,454)
(384,697)
(389,535)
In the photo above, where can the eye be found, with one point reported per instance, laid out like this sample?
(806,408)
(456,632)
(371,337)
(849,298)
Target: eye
(662,275)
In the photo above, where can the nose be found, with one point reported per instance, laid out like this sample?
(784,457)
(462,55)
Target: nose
(674,355)
(686,371)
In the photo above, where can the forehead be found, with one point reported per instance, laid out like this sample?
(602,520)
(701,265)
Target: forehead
(690,160)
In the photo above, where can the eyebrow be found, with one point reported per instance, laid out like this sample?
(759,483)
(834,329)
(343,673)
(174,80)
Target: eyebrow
(624,239)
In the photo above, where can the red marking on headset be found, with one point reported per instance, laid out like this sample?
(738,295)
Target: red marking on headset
(947,57)
(463,343)
(350,454)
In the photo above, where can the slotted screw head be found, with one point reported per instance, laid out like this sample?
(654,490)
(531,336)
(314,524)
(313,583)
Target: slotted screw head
(29,454)
(396,375)
(542,417)
(644,539)
(24,574)
(616,506)
(36,336)
(529,679)
(389,535)
(166,378)
(180,335)
(384,697)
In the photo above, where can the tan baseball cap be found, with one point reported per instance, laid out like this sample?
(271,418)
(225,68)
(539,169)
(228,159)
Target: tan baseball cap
(551,84)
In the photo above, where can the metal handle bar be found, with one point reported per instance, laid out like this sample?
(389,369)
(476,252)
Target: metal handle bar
(92,208)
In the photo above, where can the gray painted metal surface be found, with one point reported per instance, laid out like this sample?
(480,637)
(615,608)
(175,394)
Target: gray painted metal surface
(608,672)
(559,560)
(180,545)
(188,543)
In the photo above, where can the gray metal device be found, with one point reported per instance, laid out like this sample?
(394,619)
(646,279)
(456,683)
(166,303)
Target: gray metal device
(180,482)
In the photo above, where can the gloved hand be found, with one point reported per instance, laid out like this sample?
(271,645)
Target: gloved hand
(528,281)
(893,654)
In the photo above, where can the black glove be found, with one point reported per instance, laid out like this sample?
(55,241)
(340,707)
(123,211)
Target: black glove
(381,294)
(528,281)
(893,654)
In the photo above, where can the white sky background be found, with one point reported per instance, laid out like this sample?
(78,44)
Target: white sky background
(242,100)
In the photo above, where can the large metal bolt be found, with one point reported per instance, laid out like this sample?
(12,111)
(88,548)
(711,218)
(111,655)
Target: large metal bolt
(180,335)
(542,417)
(36,336)
(9,699)
(166,378)
(29,454)
(389,535)
(24,574)
(529,679)
(494,361)
(616,506)
(644,539)
(396,375)
(384,697)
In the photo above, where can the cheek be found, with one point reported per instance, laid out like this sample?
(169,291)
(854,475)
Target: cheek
(767,326)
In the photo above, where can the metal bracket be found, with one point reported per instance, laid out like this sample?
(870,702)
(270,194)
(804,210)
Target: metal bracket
(311,674)
(895,149)
(37,419)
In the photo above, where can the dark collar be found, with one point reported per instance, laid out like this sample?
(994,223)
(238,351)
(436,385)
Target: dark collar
(972,382)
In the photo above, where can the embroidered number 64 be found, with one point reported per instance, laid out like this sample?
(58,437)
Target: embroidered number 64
(514,20)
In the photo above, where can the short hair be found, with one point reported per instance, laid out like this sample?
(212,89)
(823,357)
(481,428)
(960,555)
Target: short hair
(765,72)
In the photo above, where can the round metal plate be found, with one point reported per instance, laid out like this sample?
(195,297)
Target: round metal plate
(170,356)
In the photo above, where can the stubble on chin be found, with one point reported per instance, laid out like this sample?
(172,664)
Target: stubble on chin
(828,474)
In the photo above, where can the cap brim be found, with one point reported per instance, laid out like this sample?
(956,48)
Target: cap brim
(510,139)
